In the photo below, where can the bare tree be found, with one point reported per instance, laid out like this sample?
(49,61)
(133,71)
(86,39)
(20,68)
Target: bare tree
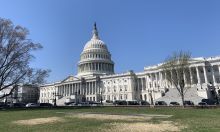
(15,57)
(176,69)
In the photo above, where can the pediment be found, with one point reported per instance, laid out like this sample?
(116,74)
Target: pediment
(69,79)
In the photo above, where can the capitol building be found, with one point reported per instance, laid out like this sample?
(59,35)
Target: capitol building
(96,80)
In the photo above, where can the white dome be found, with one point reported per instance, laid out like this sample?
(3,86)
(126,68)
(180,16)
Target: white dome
(95,43)
(95,58)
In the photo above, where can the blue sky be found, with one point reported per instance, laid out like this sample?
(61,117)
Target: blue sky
(138,33)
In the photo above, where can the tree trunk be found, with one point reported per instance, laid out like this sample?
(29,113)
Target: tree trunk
(182,97)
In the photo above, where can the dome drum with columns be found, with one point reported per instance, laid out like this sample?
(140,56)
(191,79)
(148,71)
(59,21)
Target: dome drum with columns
(95,58)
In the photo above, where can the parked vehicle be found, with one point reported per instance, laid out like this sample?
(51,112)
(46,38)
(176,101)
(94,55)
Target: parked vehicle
(32,105)
(208,101)
(109,101)
(173,103)
(2,105)
(144,103)
(68,103)
(160,103)
(134,102)
(71,104)
(46,105)
(17,105)
(120,102)
(188,102)
(202,103)
(84,104)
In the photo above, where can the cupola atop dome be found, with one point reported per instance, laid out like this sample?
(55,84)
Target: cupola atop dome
(95,32)
(95,58)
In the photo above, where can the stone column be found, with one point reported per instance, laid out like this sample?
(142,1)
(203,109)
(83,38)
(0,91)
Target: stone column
(165,77)
(67,90)
(87,66)
(71,86)
(103,67)
(76,88)
(160,79)
(147,82)
(70,89)
(191,76)
(83,67)
(184,78)
(88,90)
(197,73)
(171,77)
(205,75)
(82,88)
(142,83)
(213,75)
(95,87)
(92,87)
(219,70)
(157,80)
(100,66)
(64,90)
(58,91)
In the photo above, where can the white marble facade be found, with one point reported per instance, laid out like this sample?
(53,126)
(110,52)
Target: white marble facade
(96,78)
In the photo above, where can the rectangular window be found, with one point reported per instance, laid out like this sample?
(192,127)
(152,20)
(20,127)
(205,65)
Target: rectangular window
(121,97)
(120,88)
(114,88)
(125,86)
(125,96)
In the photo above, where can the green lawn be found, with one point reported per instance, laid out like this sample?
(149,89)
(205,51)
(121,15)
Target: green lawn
(194,119)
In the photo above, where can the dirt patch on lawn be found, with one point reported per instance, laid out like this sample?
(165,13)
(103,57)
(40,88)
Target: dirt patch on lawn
(140,117)
(39,121)
(143,127)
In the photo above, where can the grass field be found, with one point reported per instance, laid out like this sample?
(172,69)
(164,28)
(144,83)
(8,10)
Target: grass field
(98,119)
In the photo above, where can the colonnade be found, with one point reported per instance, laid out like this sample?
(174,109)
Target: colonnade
(97,66)
(196,75)
(89,88)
